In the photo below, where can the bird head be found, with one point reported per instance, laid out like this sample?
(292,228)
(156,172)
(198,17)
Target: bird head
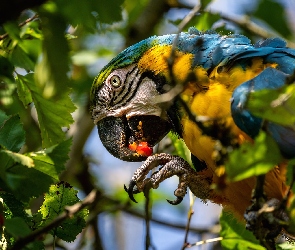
(125,108)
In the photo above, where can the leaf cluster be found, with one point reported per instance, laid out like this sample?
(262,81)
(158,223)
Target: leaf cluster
(37,93)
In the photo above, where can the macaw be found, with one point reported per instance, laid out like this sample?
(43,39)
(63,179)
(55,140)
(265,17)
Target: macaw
(181,82)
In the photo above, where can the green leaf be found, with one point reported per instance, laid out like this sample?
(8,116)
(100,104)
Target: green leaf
(273,13)
(12,134)
(12,30)
(53,114)
(276,105)
(17,227)
(180,148)
(288,245)
(31,30)
(32,47)
(235,236)
(58,197)
(206,20)
(23,91)
(20,158)
(48,164)
(21,59)
(52,160)
(13,207)
(253,159)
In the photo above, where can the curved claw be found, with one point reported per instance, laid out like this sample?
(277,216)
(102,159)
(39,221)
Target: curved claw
(177,201)
(129,190)
(135,190)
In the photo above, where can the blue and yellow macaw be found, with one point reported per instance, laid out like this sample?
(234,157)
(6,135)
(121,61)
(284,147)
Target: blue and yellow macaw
(165,82)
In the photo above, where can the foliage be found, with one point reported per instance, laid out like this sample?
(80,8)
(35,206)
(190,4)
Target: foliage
(235,236)
(55,201)
(252,159)
(37,111)
(44,78)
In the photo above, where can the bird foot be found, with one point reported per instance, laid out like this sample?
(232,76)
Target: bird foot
(171,165)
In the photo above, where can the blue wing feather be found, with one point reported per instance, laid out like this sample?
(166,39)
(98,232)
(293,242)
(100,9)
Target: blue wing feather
(270,78)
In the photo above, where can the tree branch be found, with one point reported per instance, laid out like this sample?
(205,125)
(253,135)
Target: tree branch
(10,10)
(245,23)
(69,212)
(21,24)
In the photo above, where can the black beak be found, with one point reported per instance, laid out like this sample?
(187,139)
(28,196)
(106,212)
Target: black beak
(118,135)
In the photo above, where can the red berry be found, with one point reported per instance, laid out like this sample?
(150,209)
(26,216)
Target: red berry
(144,149)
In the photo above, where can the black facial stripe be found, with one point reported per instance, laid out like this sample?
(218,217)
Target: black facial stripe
(120,96)
(132,82)
(136,88)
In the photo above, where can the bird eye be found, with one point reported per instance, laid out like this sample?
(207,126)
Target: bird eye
(115,81)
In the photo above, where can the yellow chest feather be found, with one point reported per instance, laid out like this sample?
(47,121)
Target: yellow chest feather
(213,102)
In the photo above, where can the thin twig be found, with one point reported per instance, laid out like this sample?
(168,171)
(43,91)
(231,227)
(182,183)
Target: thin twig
(188,225)
(21,25)
(202,242)
(148,215)
(213,230)
(69,212)
(181,26)
(245,23)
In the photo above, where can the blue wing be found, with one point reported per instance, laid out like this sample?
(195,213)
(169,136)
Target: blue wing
(270,78)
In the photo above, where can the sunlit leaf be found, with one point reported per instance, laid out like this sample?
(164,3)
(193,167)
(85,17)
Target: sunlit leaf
(288,245)
(13,207)
(58,197)
(206,21)
(19,158)
(253,159)
(180,148)
(31,30)
(276,105)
